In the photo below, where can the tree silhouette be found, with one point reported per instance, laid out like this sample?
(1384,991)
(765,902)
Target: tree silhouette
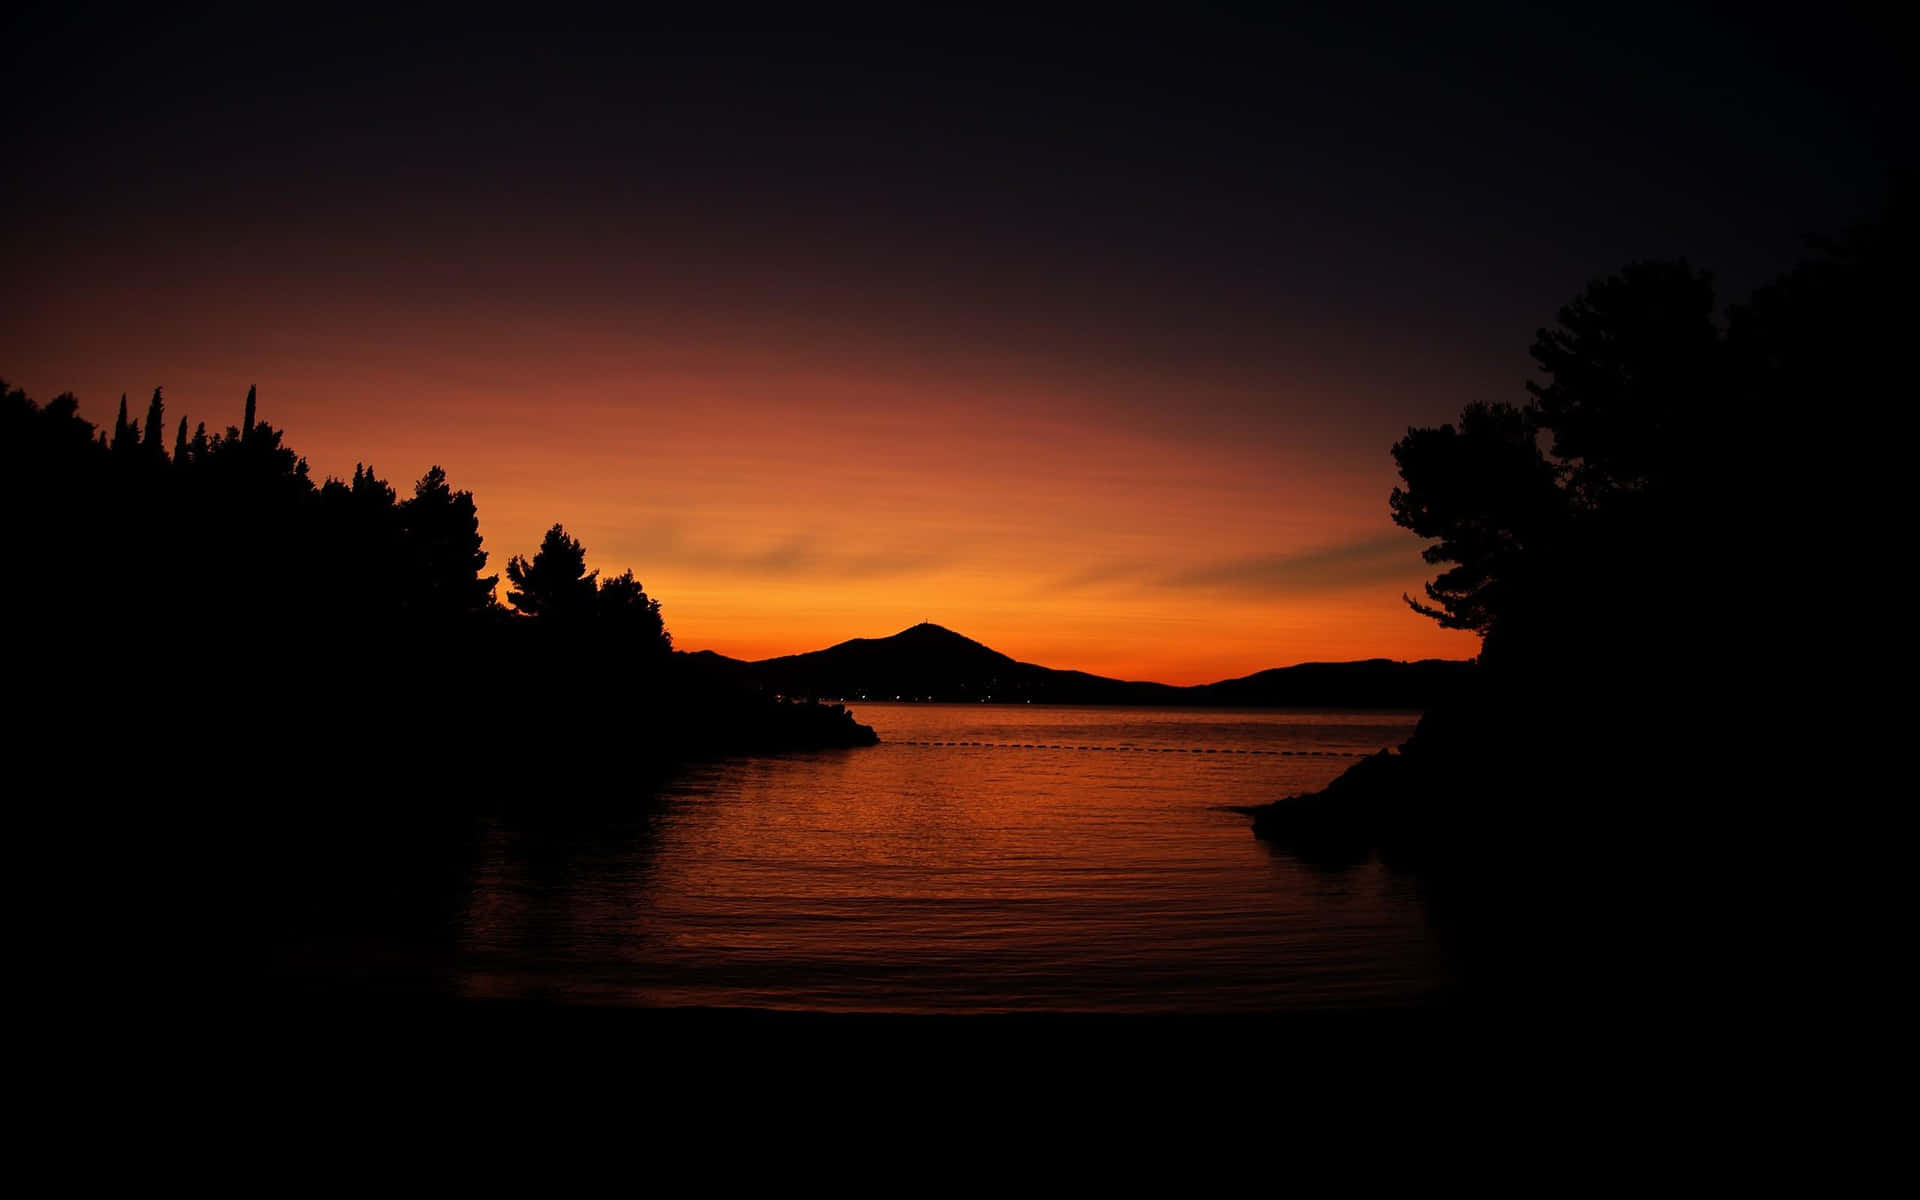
(556,585)
(126,434)
(156,415)
(441,532)
(1635,365)
(557,588)
(260,463)
(632,617)
(361,524)
(1579,552)
(37,433)
(1489,497)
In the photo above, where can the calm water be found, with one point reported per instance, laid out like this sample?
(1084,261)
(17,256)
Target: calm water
(982,858)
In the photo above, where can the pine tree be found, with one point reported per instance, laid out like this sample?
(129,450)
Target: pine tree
(631,617)
(556,585)
(441,534)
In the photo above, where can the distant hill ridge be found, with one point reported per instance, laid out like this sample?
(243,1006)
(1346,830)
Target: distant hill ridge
(930,662)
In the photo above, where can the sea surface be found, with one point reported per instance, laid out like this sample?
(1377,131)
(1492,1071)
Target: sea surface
(982,858)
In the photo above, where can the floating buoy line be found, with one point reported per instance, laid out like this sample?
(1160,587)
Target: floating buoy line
(1133,749)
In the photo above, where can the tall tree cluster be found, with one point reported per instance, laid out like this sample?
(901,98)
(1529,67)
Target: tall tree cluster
(228,556)
(1666,449)
(556,587)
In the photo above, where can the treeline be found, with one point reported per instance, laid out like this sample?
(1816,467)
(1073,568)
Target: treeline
(207,578)
(232,524)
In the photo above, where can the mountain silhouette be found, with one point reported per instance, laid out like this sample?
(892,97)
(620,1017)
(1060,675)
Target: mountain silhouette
(930,662)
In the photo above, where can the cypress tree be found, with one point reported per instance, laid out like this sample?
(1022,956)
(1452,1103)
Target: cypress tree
(246,426)
(180,442)
(156,412)
(126,434)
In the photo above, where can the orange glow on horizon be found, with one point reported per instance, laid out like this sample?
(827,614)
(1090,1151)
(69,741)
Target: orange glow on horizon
(778,498)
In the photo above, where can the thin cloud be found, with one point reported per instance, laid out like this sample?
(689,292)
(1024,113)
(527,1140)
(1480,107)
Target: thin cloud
(795,557)
(1327,568)
(1385,558)
(1100,575)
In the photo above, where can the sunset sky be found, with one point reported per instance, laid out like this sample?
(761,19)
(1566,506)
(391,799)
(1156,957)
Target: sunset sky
(1086,340)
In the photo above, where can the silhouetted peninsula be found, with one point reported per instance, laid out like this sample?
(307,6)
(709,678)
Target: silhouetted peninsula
(336,631)
(927,662)
(1569,807)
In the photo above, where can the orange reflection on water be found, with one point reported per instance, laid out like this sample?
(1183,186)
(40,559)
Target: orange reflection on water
(1104,875)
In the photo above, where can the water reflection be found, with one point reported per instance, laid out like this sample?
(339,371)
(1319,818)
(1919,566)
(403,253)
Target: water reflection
(1102,875)
(961,877)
